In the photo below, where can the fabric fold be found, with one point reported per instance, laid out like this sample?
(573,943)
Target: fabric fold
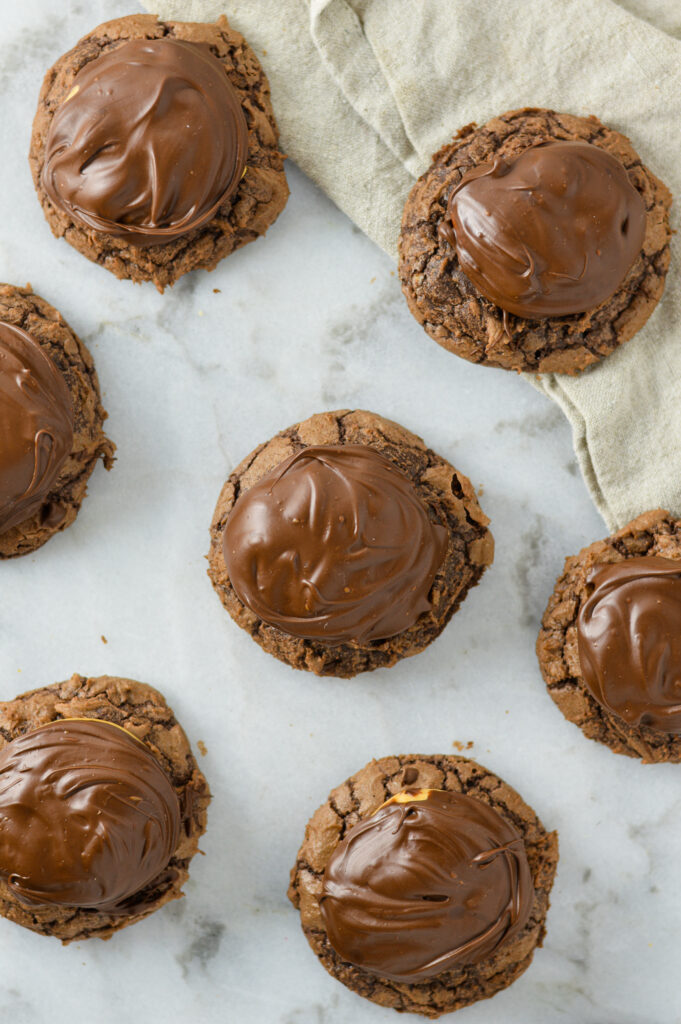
(344,49)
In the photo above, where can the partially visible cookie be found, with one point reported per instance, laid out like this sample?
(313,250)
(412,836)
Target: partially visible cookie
(155,148)
(102,806)
(345,544)
(538,241)
(432,875)
(51,422)
(610,643)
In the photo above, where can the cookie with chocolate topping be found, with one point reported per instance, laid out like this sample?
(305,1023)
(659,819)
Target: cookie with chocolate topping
(423,883)
(536,242)
(610,643)
(344,544)
(51,422)
(155,148)
(102,806)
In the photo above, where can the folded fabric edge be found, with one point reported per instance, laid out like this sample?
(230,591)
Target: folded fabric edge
(550,385)
(348,56)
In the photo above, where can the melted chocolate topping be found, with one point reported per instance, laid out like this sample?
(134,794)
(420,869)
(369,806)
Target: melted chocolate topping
(629,641)
(550,232)
(431,881)
(149,142)
(335,545)
(88,817)
(36,427)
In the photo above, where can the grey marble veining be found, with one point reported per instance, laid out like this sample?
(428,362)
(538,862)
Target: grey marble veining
(309,318)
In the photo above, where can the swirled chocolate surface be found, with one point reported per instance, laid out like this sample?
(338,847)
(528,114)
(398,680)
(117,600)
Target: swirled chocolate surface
(148,143)
(335,545)
(629,641)
(36,426)
(87,816)
(550,232)
(431,881)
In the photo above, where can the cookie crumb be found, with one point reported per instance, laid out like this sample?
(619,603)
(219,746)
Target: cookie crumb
(202,748)
(458,745)
(104,639)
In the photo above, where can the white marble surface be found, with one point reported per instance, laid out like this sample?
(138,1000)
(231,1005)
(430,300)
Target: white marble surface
(309,318)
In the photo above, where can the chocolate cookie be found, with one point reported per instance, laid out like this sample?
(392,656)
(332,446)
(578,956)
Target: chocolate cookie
(51,418)
(154,147)
(101,807)
(423,883)
(344,544)
(537,242)
(610,643)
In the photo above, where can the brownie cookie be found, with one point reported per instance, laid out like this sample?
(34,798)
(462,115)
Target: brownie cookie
(344,544)
(610,643)
(111,839)
(423,883)
(51,418)
(188,102)
(536,242)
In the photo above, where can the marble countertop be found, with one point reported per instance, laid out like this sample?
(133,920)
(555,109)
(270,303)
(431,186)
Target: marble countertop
(310,318)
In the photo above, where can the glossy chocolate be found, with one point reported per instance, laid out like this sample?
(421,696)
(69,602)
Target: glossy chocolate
(88,817)
(36,427)
(334,545)
(148,143)
(431,881)
(550,232)
(629,641)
